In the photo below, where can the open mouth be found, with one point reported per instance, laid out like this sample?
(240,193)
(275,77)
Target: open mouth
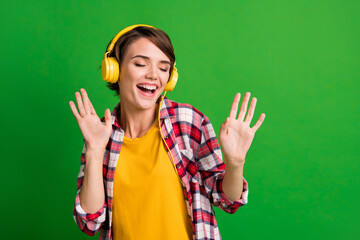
(149,89)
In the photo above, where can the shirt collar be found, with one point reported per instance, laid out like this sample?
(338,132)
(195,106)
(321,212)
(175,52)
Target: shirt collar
(167,108)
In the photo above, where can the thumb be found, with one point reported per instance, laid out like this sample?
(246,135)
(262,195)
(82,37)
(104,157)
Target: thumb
(224,128)
(107,117)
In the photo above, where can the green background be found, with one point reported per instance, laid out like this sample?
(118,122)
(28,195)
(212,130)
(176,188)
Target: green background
(299,58)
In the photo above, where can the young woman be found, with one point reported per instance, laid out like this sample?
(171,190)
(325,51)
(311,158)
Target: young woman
(152,169)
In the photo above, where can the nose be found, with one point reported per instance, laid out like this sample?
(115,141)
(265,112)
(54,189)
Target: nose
(152,73)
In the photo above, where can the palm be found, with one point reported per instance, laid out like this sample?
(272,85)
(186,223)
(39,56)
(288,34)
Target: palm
(95,133)
(236,135)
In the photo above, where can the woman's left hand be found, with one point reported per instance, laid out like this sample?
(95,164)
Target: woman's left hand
(236,135)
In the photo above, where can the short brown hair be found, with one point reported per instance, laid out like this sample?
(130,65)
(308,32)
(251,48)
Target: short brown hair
(156,36)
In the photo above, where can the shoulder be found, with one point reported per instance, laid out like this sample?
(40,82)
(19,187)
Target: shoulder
(183,113)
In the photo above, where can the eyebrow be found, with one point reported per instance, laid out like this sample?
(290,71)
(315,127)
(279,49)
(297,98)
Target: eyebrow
(147,58)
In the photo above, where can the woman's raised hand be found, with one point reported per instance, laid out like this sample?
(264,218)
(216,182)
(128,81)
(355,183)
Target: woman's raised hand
(95,133)
(236,135)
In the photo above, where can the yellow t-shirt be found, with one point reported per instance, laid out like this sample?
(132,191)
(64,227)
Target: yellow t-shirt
(148,202)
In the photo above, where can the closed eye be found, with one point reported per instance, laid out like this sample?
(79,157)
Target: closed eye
(164,69)
(139,65)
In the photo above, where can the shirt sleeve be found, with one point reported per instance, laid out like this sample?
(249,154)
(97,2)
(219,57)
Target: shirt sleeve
(88,223)
(212,170)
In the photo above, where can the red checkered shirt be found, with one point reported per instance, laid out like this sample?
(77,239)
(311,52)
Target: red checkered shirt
(196,153)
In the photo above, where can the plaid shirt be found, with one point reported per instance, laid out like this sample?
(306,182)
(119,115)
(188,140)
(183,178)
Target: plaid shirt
(198,160)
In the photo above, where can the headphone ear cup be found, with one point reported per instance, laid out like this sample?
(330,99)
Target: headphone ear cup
(172,80)
(110,70)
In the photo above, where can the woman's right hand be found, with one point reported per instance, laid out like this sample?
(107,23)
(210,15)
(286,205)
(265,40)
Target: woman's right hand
(95,133)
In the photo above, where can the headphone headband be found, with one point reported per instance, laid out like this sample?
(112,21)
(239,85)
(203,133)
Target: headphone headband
(122,32)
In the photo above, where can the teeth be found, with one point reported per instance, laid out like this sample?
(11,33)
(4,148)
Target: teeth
(149,87)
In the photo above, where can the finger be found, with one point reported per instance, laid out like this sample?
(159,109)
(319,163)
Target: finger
(234,106)
(92,109)
(223,128)
(86,100)
(74,110)
(244,106)
(251,111)
(80,104)
(259,122)
(107,117)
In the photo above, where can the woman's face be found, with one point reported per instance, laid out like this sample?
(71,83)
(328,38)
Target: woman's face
(143,75)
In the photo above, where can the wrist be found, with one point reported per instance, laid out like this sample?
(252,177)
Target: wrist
(95,153)
(234,168)
(234,163)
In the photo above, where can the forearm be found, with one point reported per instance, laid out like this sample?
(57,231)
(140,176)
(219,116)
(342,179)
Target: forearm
(232,183)
(92,193)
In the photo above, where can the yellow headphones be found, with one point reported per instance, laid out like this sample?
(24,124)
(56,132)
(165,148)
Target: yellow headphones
(110,66)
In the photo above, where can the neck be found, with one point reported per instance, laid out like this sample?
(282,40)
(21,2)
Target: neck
(135,122)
